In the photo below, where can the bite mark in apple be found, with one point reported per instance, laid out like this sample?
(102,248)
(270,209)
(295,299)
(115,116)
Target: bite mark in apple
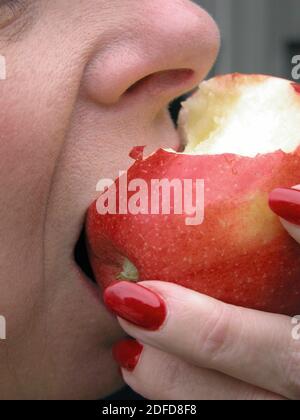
(242,135)
(137,153)
(296,86)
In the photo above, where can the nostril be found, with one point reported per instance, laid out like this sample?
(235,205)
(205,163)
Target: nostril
(175,107)
(163,81)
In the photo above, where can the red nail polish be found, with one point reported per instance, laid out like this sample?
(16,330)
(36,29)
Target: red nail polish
(136,304)
(296,86)
(127,354)
(285,202)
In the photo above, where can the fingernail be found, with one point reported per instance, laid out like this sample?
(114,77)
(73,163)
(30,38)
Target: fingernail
(127,354)
(136,304)
(285,202)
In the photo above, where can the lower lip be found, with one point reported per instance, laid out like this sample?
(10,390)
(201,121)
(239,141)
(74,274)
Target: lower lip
(94,290)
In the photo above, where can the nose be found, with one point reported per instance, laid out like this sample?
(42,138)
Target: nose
(164,49)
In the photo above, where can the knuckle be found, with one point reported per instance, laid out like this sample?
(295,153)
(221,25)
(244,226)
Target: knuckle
(256,394)
(170,383)
(166,377)
(291,369)
(214,338)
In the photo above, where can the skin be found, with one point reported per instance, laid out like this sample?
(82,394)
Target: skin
(252,270)
(67,119)
(233,353)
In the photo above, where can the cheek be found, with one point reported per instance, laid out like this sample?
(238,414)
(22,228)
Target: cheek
(24,179)
(27,158)
(32,127)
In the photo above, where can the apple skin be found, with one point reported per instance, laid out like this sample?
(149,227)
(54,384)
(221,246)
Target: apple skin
(296,86)
(240,254)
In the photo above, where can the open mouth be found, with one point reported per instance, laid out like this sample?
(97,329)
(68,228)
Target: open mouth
(80,251)
(81,257)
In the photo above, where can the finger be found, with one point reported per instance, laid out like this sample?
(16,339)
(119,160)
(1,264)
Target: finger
(254,347)
(293,230)
(285,202)
(160,376)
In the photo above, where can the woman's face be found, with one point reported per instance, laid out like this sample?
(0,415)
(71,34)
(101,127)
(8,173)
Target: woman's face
(86,81)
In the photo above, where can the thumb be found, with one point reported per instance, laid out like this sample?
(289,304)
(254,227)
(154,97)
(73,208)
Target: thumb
(285,202)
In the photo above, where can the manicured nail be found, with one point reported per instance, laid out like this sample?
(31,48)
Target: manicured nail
(285,202)
(127,354)
(136,304)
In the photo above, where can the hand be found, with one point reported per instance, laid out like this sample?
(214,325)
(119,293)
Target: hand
(190,346)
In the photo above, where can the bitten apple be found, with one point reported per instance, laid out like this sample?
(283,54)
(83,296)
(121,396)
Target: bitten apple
(242,135)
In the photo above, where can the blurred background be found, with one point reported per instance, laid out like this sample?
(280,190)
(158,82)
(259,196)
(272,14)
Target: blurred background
(258,36)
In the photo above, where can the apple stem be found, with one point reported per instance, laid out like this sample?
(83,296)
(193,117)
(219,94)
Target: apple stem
(130,272)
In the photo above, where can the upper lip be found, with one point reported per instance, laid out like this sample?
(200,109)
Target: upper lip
(80,251)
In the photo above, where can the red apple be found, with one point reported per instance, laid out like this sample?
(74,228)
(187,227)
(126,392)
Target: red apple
(242,137)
